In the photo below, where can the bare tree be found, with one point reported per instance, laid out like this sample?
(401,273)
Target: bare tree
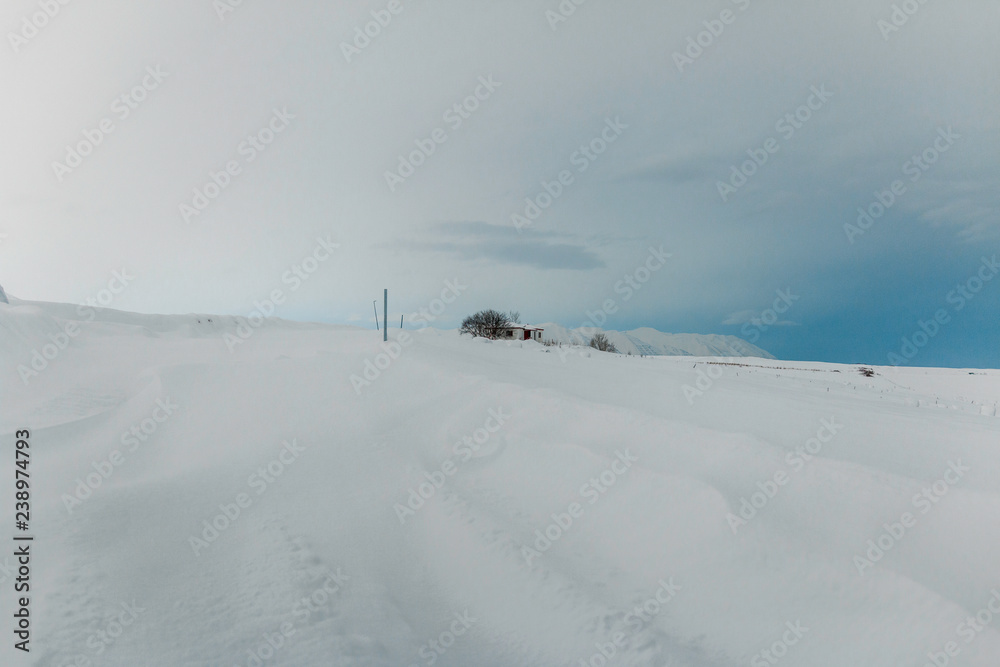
(601,342)
(486,323)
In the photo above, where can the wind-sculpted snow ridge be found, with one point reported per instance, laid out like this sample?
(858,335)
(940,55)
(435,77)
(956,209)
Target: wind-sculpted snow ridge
(313,496)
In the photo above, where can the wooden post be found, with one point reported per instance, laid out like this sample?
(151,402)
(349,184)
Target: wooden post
(385,315)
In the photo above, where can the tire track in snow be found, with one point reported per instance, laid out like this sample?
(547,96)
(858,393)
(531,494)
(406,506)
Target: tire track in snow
(577,614)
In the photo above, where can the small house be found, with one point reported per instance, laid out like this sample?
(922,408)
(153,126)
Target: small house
(521,332)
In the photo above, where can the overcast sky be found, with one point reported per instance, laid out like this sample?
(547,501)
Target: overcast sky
(671,121)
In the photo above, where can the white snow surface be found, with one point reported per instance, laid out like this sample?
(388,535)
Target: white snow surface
(653,342)
(453,583)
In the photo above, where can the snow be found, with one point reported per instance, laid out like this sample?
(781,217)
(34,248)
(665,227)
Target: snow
(652,342)
(645,463)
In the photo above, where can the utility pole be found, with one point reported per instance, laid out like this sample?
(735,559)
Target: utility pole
(385,315)
(375,308)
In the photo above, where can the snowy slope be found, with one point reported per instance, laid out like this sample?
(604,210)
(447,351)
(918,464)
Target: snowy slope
(636,468)
(652,342)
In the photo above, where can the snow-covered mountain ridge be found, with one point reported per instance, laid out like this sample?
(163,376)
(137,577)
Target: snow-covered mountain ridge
(647,341)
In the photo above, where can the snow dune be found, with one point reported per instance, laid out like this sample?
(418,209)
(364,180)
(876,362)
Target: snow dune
(313,498)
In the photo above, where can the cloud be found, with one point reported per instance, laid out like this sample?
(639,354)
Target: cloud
(977,222)
(672,169)
(469,241)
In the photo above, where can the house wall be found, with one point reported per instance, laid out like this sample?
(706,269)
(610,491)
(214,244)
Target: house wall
(520,334)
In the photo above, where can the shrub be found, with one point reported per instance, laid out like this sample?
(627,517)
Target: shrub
(488,323)
(601,342)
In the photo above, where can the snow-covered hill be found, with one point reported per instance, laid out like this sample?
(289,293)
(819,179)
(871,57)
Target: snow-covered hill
(652,342)
(314,497)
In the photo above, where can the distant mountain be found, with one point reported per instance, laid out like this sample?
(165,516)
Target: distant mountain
(3,295)
(656,343)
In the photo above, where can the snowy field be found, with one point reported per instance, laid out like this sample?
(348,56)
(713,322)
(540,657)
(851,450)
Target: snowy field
(478,504)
